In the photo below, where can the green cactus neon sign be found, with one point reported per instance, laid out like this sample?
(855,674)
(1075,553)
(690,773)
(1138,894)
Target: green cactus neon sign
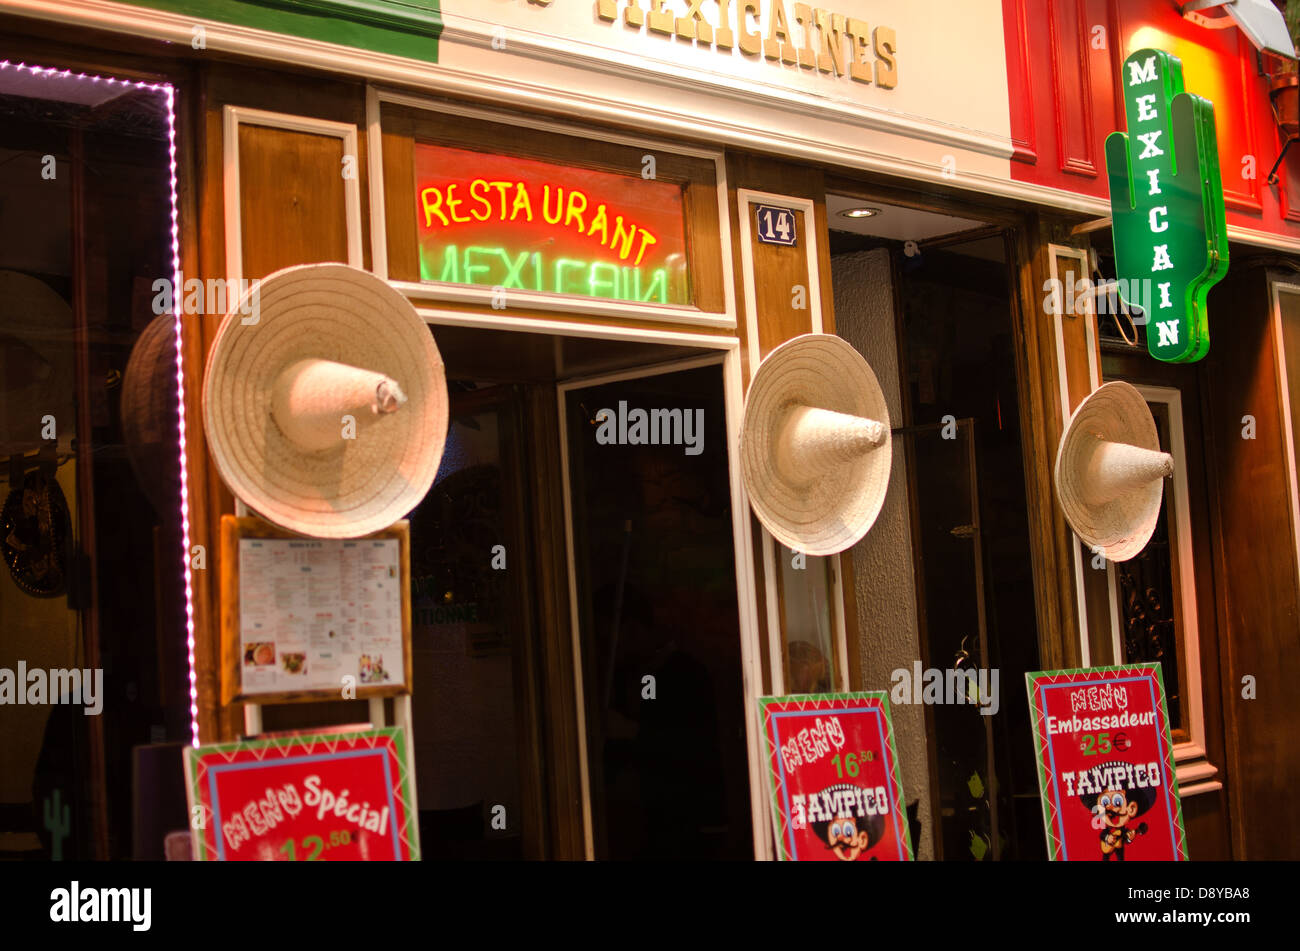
(1166,199)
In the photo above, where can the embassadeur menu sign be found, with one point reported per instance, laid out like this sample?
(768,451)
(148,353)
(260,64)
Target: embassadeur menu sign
(343,796)
(1106,764)
(833,773)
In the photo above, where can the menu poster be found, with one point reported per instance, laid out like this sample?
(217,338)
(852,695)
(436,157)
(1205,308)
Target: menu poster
(833,776)
(1106,764)
(336,797)
(309,617)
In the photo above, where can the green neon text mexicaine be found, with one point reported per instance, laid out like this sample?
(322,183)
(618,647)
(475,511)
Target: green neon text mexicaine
(530,271)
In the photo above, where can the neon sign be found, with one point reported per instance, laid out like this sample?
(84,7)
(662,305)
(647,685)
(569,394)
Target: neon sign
(506,222)
(1166,199)
(531,271)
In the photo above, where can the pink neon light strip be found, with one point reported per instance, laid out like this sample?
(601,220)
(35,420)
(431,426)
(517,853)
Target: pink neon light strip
(169,93)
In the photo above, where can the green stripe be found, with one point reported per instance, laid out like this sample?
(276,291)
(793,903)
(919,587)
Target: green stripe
(408,28)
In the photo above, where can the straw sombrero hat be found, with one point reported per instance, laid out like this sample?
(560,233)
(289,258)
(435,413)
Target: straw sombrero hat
(1110,471)
(815,444)
(329,341)
(148,406)
(37,363)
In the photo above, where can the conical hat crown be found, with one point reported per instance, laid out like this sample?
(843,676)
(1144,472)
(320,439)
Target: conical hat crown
(1110,471)
(815,444)
(327,412)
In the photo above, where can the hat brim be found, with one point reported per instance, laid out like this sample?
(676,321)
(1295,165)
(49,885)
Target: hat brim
(834,511)
(343,314)
(1118,529)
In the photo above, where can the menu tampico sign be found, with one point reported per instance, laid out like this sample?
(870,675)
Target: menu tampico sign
(343,796)
(1106,764)
(833,775)
(1166,199)
(517,224)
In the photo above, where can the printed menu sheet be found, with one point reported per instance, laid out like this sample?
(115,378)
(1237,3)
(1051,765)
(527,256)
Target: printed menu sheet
(316,611)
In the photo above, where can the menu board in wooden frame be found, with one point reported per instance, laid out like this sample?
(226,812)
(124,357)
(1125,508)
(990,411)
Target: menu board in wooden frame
(310,619)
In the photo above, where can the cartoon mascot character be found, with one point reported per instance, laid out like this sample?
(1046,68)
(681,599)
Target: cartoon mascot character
(1114,811)
(847,835)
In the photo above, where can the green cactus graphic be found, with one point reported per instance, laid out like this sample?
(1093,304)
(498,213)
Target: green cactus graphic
(1166,194)
(58,824)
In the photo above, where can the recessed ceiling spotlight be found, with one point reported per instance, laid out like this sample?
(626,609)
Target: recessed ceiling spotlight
(860,212)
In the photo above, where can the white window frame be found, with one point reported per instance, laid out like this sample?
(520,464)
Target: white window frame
(232,117)
(1193,770)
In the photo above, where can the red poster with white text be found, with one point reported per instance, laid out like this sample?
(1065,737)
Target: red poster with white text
(339,797)
(833,776)
(1106,765)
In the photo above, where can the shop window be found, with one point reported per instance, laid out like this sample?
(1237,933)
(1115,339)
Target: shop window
(1148,594)
(811,649)
(1158,601)
(92,583)
(1287,334)
(1155,603)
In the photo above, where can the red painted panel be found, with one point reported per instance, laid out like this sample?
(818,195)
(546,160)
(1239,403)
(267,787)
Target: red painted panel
(1072,87)
(1020,80)
(1065,98)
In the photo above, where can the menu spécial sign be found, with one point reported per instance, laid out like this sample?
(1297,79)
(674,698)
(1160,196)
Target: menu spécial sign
(342,796)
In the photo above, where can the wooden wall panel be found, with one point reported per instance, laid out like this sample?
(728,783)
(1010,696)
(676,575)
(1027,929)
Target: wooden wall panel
(1255,557)
(400,202)
(294,237)
(766,175)
(1081,370)
(778,270)
(291,199)
(1289,317)
(1041,428)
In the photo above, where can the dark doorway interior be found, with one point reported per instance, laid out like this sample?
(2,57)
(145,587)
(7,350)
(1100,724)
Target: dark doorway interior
(496,689)
(972,535)
(660,626)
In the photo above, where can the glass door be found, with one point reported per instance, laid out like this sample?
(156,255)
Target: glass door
(657,615)
(472,620)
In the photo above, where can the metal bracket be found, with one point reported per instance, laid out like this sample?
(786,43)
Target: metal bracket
(1190,11)
(1272,172)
